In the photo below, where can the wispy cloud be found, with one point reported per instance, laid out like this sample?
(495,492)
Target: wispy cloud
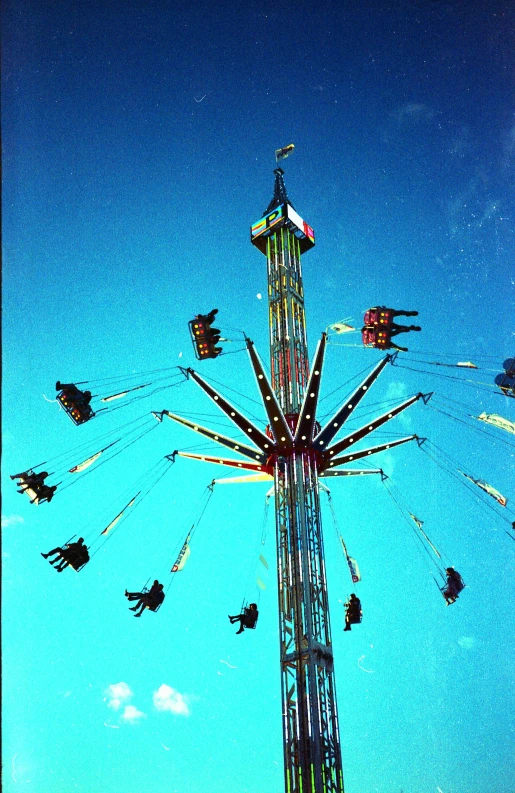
(508,147)
(117,694)
(414,111)
(461,144)
(132,714)
(11,520)
(473,207)
(387,463)
(490,210)
(398,390)
(167,698)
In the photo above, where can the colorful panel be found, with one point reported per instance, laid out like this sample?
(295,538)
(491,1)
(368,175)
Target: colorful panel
(295,217)
(301,229)
(308,231)
(270,220)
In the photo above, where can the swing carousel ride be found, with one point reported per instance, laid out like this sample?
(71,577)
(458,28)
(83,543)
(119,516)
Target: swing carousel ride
(296,446)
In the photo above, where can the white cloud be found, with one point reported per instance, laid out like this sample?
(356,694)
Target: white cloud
(132,714)
(11,520)
(467,642)
(117,694)
(167,698)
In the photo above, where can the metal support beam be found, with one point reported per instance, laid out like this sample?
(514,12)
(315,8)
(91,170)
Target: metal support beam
(348,458)
(278,425)
(368,428)
(211,458)
(241,448)
(306,422)
(350,471)
(333,426)
(254,433)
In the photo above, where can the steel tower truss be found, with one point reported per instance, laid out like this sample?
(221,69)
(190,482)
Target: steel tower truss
(295,451)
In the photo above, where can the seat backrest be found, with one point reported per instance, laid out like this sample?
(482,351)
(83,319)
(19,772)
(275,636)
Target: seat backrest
(382,339)
(368,336)
(250,618)
(155,602)
(370,316)
(384,316)
(32,494)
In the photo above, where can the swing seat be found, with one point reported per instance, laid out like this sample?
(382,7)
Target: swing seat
(250,618)
(156,602)
(33,485)
(382,339)
(153,604)
(379,316)
(77,410)
(373,337)
(37,495)
(454,595)
(31,493)
(76,560)
(368,337)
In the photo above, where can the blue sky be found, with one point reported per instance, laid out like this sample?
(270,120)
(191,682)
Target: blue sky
(137,150)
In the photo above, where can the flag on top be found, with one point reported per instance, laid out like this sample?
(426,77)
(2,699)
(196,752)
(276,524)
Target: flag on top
(281,154)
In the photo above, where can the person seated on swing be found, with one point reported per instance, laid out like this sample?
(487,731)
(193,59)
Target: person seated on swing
(74,553)
(369,335)
(150,599)
(396,329)
(247,618)
(506,383)
(454,585)
(352,612)
(210,318)
(373,315)
(45,493)
(74,393)
(35,482)
(28,479)
(373,321)
(85,398)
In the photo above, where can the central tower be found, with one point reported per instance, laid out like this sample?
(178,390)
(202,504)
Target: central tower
(312,757)
(294,451)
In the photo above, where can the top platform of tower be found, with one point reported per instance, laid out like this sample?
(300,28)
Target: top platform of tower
(281,213)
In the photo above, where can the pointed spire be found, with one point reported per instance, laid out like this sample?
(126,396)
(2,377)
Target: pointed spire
(280,195)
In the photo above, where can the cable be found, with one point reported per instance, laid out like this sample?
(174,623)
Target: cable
(476,493)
